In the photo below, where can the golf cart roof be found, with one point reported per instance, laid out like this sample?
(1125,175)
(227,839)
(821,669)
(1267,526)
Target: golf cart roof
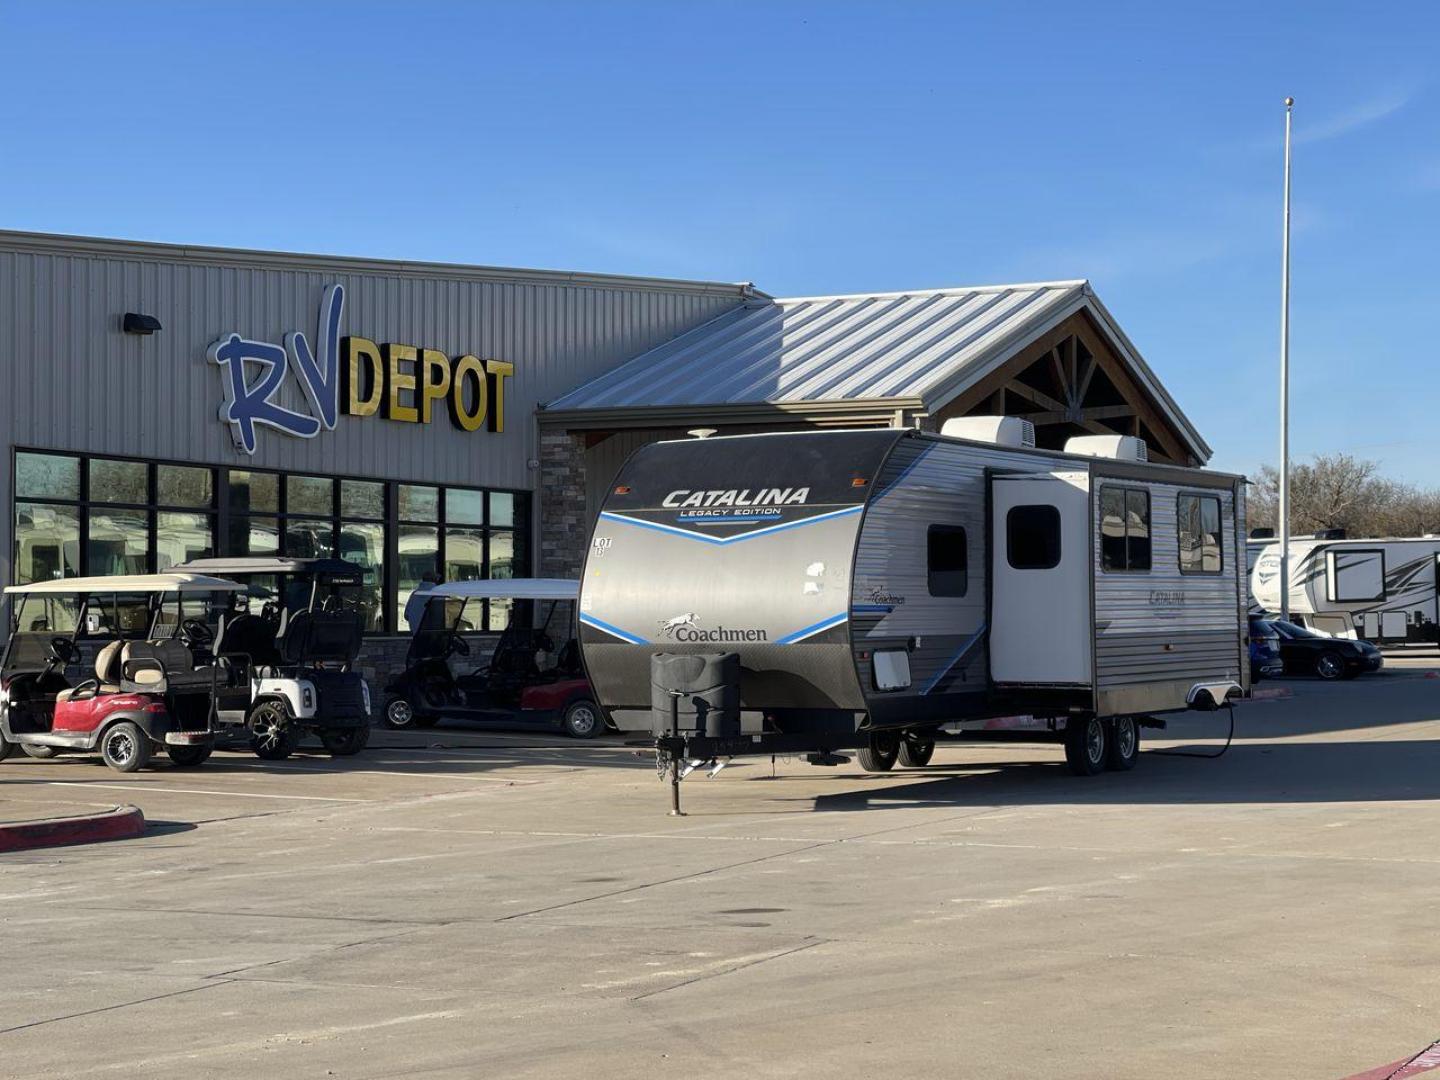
(129,583)
(509,588)
(274,565)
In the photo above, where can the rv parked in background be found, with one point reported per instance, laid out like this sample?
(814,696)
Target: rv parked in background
(1378,590)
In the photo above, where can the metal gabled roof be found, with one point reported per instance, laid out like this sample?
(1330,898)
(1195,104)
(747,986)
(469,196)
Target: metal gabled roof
(915,349)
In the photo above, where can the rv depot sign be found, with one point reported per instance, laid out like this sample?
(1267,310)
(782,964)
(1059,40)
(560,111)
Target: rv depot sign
(398,382)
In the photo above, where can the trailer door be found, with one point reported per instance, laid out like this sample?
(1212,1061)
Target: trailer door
(1041,566)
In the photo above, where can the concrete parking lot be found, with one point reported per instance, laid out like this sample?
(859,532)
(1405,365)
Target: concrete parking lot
(463,904)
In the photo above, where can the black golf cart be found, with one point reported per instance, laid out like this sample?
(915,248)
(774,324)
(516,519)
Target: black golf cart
(292,638)
(532,678)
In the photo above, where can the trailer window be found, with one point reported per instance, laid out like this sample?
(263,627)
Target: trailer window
(1032,537)
(1198,526)
(947,560)
(1124,528)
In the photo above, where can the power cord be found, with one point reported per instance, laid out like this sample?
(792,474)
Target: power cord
(1195,753)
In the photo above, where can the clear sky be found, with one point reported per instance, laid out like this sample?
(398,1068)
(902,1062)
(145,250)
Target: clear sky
(810,148)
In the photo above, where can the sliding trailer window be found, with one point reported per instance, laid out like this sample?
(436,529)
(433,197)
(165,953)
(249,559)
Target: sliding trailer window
(1124,529)
(1197,523)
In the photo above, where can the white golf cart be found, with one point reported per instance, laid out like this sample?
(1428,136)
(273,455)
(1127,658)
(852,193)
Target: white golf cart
(291,638)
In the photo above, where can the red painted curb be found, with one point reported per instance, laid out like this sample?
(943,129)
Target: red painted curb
(121,823)
(1423,1062)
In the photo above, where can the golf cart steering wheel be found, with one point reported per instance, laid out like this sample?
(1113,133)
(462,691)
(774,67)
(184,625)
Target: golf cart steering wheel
(457,645)
(196,633)
(63,651)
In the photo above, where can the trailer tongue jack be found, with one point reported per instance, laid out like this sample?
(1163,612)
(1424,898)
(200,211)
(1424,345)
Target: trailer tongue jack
(694,699)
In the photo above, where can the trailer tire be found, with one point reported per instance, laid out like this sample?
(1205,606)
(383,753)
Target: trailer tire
(6,747)
(916,752)
(582,719)
(189,757)
(399,714)
(273,736)
(125,747)
(345,742)
(880,754)
(1087,745)
(38,752)
(1330,665)
(1123,749)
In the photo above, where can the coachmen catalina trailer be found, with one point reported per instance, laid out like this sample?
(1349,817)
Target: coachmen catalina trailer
(1379,590)
(818,591)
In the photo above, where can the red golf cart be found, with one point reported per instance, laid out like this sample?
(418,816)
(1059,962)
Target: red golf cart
(153,683)
(533,678)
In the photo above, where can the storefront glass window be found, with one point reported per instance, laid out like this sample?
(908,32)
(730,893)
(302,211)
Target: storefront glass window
(464,554)
(180,537)
(502,509)
(252,492)
(363,543)
(502,554)
(47,476)
(47,542)
(309,538)
(463,507)
(118,542)
(362,499)
(254,536)
(309,495)
(419,549)
(178,485)
(118,481)
(419,503)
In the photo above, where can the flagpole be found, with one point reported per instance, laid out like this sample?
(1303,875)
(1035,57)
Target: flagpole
(1285,384)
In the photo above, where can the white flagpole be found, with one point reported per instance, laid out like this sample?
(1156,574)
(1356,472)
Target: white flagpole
(1285,385)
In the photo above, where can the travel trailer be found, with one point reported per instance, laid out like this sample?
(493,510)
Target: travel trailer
(809,592)
(1379,590)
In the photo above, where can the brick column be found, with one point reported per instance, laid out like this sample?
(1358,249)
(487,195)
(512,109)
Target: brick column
(562,504)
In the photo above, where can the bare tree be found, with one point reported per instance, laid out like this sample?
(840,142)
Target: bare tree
(1338,491)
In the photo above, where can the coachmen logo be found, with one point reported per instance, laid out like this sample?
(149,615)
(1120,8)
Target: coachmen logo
(398,382)
(686,627)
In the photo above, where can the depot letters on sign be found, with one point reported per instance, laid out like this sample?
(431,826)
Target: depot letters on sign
(399,382)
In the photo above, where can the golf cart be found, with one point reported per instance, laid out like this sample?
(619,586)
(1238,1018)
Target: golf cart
(154,683)
(527,681)
(290,639)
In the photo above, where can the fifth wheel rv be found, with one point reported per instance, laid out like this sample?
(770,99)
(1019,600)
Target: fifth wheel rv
(819,591)
(1379,590)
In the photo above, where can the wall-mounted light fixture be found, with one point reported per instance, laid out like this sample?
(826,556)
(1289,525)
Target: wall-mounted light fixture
(139,324)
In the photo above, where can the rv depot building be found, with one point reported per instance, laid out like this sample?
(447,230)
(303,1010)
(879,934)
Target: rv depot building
(165,402)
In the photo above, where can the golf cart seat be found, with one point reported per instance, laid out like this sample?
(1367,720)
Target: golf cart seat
(252,636)
(107,675)
(321,636)
(167,664)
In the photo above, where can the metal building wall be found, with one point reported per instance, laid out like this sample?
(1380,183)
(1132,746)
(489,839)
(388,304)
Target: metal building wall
(70,379)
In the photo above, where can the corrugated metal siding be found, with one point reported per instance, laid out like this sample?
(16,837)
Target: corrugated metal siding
(70,379)
(828,349)
(1136,617)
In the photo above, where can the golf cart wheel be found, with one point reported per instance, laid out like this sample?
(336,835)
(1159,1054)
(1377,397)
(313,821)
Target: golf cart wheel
(916,751)
(582,720)
(125,747)
(1124,748)
(1087,745)
(345,742)
(272,736)
(189,757)
(38,752)
(880,754)
(1330,665)
(399,713)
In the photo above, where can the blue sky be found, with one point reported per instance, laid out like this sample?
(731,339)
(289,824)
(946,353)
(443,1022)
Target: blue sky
(811,148)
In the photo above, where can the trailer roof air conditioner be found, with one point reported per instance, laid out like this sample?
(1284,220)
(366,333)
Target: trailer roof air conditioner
(1000,430)
(1118,447)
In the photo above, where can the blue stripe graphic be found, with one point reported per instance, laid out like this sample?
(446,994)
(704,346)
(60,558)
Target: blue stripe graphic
(870,609)
(691,535)
(813,629)
(590,620)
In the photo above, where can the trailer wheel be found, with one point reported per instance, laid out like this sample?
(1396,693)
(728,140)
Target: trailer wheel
(399,713)
(125,747)
(38,752)
(1087,745)
(6,747)
(582,720)
(1124,749)
(189,757)
(272,736)
(916,752)
(880,755)
(345,742)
